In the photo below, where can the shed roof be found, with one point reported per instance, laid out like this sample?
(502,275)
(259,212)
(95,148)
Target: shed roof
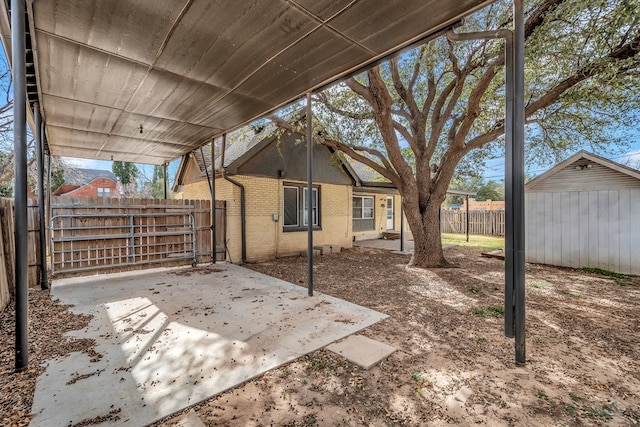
(584,169)
(151,80)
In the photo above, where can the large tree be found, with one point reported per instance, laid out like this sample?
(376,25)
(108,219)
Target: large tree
(127,173)
(418,118)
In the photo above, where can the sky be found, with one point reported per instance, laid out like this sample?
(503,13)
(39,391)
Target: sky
(146,170)
(494,168)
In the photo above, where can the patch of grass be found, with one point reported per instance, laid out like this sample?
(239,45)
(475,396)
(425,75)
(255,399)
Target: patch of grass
(570,410)
(537,285)
(542,395)
(473,290)
(596,413)
(574,294)
(485,242)
(575,397)
(496,310)
(480,312)
(285,374)
(489,312)
(420,379)
(603,272)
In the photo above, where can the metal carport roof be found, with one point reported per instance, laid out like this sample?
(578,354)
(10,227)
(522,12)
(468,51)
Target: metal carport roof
(151,80)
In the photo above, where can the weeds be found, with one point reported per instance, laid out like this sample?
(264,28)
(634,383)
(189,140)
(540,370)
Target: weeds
(489,312)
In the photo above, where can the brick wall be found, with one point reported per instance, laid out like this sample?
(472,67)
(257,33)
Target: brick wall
(91,189)
(265,237)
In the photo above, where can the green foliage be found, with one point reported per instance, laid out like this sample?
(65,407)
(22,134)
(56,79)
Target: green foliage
(125,171)
(438,111)
(603,272)
(6,189)
(57,178)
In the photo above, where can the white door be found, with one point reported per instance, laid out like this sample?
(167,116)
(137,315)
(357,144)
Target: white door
(390,213)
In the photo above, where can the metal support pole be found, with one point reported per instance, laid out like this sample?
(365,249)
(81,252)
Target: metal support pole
(514,297)
(309,196)
(467,205)
(18,52)
(509,307)
(49,206)
(44,284)
(214,244)
(401,225)
(518,181)
(164,173)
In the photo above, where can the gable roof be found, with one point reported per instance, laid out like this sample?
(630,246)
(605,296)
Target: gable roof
(582,160)
(246,143)
(80,177)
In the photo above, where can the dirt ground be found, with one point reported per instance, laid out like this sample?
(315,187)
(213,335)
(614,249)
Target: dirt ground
(453,364)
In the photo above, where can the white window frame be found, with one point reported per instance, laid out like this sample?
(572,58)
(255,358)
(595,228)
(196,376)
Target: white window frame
(314,206)
(106,192)
(362,207)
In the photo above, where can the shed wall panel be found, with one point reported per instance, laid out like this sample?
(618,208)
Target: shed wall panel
(614,231)
(574,229)
(548,228)
(634,230)
(624,210)
(585,229)
(602,225)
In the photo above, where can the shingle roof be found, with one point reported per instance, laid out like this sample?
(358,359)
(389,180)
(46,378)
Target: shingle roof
(238,143)
(80,177)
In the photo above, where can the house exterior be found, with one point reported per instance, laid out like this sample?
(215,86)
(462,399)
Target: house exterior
(271,170)
(584,212)
(88,183)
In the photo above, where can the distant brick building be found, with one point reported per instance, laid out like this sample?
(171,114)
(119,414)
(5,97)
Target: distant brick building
(88,183)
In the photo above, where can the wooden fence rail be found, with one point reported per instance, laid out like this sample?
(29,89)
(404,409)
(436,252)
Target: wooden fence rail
(7,248)
(488,223)
(128,234)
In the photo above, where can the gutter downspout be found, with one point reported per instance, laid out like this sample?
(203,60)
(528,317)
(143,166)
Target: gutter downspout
(243,207)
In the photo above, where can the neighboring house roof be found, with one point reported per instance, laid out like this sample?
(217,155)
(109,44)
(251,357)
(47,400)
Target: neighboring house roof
(600,177)
(80,177)
(246,142)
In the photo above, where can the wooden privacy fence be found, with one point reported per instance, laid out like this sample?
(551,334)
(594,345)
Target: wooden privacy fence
(488,223)
(7,248)
(126,234)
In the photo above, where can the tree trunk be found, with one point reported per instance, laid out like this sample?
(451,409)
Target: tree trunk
(425,228)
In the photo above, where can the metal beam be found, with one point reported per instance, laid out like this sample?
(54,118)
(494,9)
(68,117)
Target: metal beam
(514,301)
(39,139)
(401,224)
(164,179)
(20,187)
(467,226)
(214,244)
(518,182)
(309,197)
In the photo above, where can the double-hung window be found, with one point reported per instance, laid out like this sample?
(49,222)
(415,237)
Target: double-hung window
(104,192)
(362,212)
(294,207)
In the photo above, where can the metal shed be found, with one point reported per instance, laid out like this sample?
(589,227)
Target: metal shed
(584,212)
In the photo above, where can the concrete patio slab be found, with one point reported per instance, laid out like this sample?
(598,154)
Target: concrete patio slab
(170,338)
(361,350)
